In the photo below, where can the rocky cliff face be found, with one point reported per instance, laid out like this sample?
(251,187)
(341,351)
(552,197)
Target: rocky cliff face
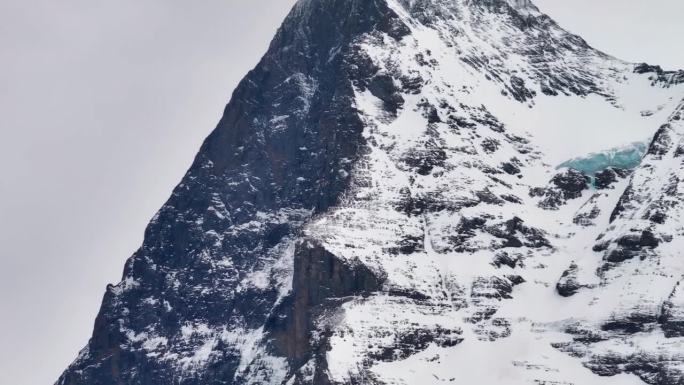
(380,205)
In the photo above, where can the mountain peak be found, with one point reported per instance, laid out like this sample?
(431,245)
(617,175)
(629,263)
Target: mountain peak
(521,4)
(379,205)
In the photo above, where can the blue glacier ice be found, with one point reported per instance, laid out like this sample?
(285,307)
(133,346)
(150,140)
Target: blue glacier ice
(626,157)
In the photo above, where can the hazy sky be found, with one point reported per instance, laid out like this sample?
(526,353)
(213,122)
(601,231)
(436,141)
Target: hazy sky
(103,105)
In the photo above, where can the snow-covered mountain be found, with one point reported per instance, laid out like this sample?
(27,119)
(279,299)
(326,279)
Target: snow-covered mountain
(382,204)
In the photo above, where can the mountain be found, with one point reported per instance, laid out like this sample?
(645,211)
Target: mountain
(381,204)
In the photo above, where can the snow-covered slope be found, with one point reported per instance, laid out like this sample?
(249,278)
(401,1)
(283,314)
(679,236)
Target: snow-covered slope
(381,205)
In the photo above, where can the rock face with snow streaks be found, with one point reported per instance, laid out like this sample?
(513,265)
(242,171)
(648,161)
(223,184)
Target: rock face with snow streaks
(380,204)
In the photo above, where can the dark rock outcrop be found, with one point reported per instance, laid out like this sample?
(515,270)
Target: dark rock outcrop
(564,186)
(280,153)
(629,246)
(568,285)
(606,178)
(671,318)
(321,282)
(666,78)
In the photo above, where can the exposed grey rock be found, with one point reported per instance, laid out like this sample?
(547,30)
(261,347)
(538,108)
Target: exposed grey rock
(568,284)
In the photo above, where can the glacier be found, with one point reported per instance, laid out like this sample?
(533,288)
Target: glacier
(624,157)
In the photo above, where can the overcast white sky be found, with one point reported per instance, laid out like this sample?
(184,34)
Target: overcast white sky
(103,105)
